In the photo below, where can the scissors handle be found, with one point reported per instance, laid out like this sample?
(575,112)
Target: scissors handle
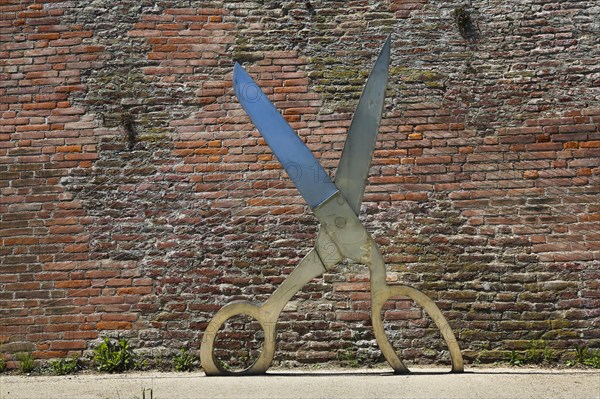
(266,314)
(211,365)
(381,292)
(344,228)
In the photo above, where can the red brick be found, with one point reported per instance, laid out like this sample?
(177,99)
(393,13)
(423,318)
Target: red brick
(432,126)
(143,281)
(352,316)
(118,282)
(65,229)
(70,88)
(87,292)
(402,314)
(134,290)
(80,335)
(521,130)
(362,286)
(22,286)
(72,284)
(72,156)
(69,148)
(417,196)
(68,345)
(46,105)
(590,144)
(119,316)
(433,160)
(554,247)
(577,128)
(113,325)
(21,241)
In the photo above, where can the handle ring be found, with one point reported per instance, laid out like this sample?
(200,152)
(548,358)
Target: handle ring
(432,311)
(207,355)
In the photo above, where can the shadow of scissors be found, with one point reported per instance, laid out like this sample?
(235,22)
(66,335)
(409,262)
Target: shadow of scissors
(336,206)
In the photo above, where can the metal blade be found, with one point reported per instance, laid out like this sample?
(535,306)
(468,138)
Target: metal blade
(353,169)
(298,161)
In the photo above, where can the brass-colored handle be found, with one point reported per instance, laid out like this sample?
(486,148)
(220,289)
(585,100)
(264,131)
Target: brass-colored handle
(266,314)
(430,308)
(344,229)
(381,292)
(210,364)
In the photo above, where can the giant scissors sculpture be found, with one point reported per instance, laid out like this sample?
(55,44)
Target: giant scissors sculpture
(336,206)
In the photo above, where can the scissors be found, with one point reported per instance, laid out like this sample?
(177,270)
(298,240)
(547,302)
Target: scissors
(336,205)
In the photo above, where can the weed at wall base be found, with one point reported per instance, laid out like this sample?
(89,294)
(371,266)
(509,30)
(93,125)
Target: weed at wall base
(114,357)
(184,361)
(26,362)
(64,366)
(540,354)
(586,357)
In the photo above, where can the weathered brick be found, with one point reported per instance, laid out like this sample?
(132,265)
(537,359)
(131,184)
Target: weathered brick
(134,290)
(134,184)
(113,325)
(402,314)
(577,128)
(72,284)
(353,316)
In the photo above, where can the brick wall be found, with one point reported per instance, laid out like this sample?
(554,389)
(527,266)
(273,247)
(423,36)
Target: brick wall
(137,198)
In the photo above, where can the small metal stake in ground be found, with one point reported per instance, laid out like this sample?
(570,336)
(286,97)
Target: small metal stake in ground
(336,206)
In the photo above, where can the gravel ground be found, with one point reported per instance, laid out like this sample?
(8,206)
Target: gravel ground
(493,383)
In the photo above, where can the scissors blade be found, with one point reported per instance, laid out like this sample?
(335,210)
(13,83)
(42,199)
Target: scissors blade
(298,161)
(353,168)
